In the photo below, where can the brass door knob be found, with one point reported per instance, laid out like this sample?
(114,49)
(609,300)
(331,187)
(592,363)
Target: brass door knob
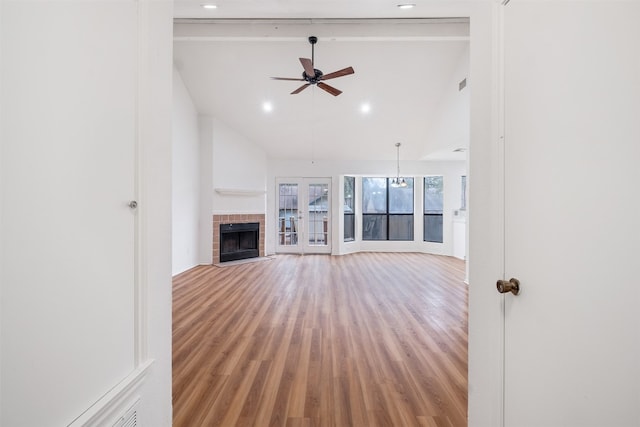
(513,286)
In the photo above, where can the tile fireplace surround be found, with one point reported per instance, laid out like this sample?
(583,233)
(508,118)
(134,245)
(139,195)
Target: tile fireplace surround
(235,219)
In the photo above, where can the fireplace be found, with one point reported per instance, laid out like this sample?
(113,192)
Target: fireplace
(235,219)
(239,241)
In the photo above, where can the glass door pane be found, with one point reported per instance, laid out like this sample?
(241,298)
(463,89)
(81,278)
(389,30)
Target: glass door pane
(288,214)
(318,214)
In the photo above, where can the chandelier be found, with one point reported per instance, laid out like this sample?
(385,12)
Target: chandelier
(398,181)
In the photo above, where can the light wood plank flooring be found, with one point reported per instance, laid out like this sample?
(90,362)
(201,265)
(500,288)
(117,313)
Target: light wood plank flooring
(369,339)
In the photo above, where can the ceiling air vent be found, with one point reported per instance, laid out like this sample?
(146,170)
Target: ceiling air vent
(462,84)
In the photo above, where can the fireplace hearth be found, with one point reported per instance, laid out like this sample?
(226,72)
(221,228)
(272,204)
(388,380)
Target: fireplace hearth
(239,241)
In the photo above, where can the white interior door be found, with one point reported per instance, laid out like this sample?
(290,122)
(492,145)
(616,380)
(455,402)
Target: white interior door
(67,177)
(304,215)
(572,235)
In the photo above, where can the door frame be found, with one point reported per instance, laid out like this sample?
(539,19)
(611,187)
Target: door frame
(485,221)
(484,224)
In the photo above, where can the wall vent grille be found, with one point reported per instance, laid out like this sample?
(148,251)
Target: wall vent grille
(130,418)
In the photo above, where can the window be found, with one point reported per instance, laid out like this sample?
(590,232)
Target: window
(433,203)
(349,208)
(387,211)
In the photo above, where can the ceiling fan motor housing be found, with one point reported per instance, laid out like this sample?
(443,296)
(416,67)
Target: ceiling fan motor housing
(315,79)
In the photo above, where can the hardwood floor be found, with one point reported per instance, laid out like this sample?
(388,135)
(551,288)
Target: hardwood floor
(369,339)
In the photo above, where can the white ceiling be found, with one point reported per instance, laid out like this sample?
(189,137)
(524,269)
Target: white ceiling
(403,70)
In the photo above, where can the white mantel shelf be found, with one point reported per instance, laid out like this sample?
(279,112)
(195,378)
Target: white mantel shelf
(239,192)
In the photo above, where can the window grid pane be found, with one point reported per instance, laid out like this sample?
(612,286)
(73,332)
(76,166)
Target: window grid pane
(433,208)
(374,195)
(318,210)
(349,208)
(400,227)
(288,214)
(374,227)
(401,198)
(433,228)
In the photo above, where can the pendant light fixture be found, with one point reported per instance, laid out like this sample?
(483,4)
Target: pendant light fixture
(397,181)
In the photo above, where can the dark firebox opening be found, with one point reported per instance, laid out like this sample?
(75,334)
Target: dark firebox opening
(239,241)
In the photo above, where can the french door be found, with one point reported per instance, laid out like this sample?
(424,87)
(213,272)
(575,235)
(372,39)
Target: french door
(304,215)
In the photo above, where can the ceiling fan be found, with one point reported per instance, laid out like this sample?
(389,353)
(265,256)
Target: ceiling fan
(313,76)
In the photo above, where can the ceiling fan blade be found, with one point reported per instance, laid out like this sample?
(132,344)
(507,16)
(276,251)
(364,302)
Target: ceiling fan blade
(339,73)
(300,89)
(287,78)
(332,90)
(307,64)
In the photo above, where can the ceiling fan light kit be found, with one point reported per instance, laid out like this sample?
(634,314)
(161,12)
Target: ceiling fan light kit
(313,76)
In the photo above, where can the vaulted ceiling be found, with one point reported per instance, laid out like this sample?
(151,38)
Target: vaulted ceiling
(406,70)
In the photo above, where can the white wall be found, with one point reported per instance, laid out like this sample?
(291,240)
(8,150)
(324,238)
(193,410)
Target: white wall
(208,155)
(460,235)
(450,125)
(205,127)
(186,179)
(79,103)
(238,164)
(450,170)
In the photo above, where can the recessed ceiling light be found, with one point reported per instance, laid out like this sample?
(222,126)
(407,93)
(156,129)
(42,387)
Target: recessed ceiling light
(365,108)
(209,6)
(406,6)
(267,106)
